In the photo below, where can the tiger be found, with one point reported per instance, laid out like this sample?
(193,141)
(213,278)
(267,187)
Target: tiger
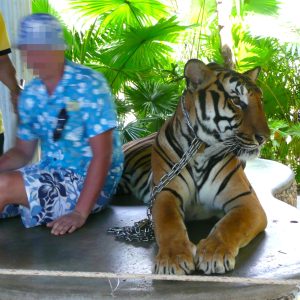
(222,109)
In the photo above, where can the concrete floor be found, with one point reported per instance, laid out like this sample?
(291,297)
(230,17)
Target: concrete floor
(274,254)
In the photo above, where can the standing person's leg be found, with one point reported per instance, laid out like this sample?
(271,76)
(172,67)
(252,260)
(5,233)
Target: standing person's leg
(12,189)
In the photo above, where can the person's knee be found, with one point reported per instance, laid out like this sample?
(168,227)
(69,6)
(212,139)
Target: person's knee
(10,184)
(5,183)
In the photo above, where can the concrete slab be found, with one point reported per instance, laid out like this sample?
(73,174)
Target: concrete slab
(272,255)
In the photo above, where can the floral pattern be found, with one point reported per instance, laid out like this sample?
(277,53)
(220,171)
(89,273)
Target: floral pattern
(53,185)
(50,191)
(54,192)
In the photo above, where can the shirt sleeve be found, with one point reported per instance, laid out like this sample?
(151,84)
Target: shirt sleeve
(4,40)
(26,110)
(99,112)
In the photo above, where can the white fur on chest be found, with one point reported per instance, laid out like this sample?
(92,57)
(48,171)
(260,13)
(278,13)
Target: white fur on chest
(205,205)
(207,188)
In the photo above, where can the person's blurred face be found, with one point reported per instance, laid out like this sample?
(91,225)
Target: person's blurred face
(42,60)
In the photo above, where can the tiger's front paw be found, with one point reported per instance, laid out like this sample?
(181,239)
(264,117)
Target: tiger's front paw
(214,256)
(176,258)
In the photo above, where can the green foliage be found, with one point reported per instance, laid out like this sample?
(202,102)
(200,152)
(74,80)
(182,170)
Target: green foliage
(121,13)
(284,144)
(132,43)
(43,6)
(152,98)
(265,7)
(142,49)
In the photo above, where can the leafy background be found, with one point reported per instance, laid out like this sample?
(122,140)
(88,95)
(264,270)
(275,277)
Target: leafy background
(142,46)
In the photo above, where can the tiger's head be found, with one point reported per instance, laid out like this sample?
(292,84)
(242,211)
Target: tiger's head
(226,108)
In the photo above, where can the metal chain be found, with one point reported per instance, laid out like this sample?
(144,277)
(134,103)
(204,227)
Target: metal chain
(143,231)
(176,169)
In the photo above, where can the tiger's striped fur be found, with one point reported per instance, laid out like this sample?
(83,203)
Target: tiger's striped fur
(226,114)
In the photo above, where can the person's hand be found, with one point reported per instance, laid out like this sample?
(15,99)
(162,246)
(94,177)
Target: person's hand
(67,223)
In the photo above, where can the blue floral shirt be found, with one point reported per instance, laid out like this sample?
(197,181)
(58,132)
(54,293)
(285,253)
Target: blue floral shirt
(86,96)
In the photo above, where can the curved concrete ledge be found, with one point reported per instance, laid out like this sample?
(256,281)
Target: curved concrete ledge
(270,178)
(267,176)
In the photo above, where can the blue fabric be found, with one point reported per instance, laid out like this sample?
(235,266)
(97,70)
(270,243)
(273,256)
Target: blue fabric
(41,29)
(50,184)
(87,98)
(54,193)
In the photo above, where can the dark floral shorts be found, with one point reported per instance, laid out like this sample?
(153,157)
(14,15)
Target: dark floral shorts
(53,193)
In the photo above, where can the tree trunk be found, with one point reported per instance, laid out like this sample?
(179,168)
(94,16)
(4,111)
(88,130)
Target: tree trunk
(224,8)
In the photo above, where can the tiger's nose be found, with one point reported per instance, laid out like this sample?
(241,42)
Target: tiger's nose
(260,139)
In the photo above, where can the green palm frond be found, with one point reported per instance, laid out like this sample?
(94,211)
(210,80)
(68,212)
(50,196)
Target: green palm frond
(121,12)
(135,129)
(294,131)
(277,124)
(142,48)
(43,6)
(264,7)
(152,98)
(146,45)
(117,78)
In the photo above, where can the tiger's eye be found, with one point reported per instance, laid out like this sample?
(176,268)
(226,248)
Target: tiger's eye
(236,100)
(243,105)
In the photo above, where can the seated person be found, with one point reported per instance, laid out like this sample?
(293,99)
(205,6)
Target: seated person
(68,109)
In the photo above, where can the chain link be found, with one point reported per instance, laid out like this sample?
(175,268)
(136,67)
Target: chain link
(176,169)
(143,231)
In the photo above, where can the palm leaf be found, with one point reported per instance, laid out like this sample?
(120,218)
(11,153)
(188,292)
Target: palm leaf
(121,12)
(143,48)
(43,6)
(117,78)
(152,98)
(134,130)
(294,131)
(264,7)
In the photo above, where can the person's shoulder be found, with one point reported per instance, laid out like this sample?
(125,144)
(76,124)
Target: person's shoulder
(28,98)
(32,87)
(88,81)
(84,73)
(35,82)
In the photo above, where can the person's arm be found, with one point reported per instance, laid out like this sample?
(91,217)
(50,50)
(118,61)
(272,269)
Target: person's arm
(96,175)
(18,156)
(97,172)
(8,77)
(7,70)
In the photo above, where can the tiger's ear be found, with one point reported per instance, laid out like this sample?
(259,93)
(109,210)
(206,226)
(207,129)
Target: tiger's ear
(253,73)
(198,75)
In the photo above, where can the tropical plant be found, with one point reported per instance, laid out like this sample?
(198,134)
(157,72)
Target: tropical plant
(279,81)
(279,62)
(141,48)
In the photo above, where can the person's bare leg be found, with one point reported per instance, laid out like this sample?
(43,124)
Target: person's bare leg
(12,189)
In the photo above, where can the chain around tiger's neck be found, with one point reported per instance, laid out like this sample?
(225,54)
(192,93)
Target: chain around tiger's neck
(187,118)
(144,229)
